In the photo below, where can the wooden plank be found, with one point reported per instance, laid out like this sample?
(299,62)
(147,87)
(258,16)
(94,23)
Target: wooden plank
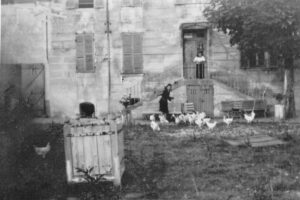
(255,141)
(68,152)
(94,154)
(75,155)
(104,153)
(88,158)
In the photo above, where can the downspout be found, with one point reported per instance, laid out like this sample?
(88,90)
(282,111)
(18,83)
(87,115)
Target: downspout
(108,55)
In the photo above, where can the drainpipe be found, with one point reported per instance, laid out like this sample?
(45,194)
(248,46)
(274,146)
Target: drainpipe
(108,54)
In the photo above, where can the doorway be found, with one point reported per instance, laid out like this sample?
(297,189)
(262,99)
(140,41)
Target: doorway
(194,42)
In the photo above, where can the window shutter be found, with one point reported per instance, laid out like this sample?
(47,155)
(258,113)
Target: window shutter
(127,63)
(72,4)
(80,53)
(138,63)
(86,3)
(85,53)
(132,53)
(89,52)
(137,43)
(126,3)
(127,53)
(136,3)
(137,53)
(98,3)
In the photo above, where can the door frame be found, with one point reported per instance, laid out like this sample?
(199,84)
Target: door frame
(193,27)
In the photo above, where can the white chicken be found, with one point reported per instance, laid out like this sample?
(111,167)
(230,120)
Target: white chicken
(177,119)
(249,118)
(201,115)
(192,118)
(199,122)
(211,125)
(42,151)
(163,119)
(152,117)
(154,125)
(205,120)
(228,120)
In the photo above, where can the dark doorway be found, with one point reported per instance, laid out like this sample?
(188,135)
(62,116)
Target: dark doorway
(194,42)
(87,110)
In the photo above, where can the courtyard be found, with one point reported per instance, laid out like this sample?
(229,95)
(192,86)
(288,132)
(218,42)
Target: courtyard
(178,162)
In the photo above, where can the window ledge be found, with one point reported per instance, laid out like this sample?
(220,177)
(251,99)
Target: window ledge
(260,68)
(132,74)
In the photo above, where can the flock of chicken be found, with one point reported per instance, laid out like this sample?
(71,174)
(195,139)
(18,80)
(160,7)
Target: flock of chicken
(199,119)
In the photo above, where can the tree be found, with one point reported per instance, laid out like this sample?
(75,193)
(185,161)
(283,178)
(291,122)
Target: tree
(263,25)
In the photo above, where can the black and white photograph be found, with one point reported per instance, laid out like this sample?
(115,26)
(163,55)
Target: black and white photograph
(150,100)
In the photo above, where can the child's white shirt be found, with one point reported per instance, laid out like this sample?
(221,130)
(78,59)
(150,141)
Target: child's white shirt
(199,59)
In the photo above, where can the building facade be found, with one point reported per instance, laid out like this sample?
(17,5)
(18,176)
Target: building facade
(87,54)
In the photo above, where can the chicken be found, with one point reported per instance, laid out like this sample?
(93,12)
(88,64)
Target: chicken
(154,125)
(199,122)
(152,118)
(163,119)
(228,120)
(42,151)
(211,125)
(201,115)
(249,118)
(177,119)
(205,120)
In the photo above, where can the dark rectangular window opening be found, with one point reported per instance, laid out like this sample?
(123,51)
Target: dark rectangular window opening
(86,4)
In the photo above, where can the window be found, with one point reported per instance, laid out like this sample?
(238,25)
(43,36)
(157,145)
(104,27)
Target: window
(73,4)
(255,59)
(184,2)
(86,4)
(132,53)
(132,3)
(85,53)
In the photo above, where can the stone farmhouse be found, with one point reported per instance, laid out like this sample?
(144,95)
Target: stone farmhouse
(69,57)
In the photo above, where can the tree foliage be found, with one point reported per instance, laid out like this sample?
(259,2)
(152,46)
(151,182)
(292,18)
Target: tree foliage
(263,26)
(255,25)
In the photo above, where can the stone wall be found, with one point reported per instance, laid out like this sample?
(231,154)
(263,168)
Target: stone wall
(25,39)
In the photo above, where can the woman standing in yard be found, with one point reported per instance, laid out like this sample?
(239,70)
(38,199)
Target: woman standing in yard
(163,102)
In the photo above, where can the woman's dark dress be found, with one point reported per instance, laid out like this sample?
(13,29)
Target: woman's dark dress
(163,102)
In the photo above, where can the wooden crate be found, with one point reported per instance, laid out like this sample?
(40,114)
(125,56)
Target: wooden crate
(97,146)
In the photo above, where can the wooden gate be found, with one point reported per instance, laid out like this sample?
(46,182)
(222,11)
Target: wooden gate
(94,146)
(33,87)
(201,93)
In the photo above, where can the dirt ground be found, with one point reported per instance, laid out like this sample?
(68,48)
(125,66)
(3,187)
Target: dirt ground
(178,163)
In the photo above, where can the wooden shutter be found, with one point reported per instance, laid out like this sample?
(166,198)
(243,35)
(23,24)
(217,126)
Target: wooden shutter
(72,4)
(85,53)
(131,3)
(89,52)
(98,3)
(126,3)
(138,53)
(132,53)
(136,3)
(80,53)
(127,53)
(86,3)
